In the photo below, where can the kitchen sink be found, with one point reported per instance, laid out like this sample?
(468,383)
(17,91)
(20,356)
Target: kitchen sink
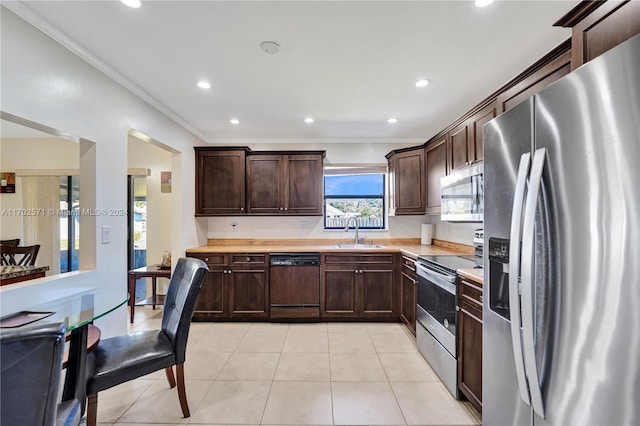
(359,246)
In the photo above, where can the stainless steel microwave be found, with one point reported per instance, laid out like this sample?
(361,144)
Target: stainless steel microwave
(462,195)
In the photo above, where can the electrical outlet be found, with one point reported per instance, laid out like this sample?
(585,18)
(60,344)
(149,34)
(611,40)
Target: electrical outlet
(234,226)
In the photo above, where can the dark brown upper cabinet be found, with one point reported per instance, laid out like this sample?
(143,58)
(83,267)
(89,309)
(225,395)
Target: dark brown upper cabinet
(220,181)
(459,146)
(597,26)
(407,182)
(436,168)
(476,145)
(551,67)
(285,183)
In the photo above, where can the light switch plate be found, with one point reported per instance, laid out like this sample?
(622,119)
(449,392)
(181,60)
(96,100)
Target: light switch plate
(106,235)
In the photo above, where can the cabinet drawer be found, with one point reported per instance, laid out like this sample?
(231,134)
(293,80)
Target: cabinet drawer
(247,258)
(470,292)
(471,309)
(359,258)
(408,264)
(210,259)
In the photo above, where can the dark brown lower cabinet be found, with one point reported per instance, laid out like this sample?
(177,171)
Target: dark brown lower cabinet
(211,302)
(408,293)
(248,292)
(470,341)
(236,286)
(354,286)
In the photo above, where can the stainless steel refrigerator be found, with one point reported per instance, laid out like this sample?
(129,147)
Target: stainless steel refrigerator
(562,251)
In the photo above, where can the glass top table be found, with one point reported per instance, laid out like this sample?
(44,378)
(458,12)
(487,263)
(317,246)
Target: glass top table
(77,311)
(82,308)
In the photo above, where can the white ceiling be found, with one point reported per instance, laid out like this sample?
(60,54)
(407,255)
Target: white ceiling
(349,65)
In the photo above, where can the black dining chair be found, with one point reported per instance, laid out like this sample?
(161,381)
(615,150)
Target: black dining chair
(14,242)
(123,358)
(28,255)
(31,368)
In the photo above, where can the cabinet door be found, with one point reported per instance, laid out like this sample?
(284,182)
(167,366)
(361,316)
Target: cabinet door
(265,181)
(459,142)
(248,293)
(408,299)
(409,182)
(378,298)
(304,179)
(338,288)
(606,25)
(436,162)
(212,299)
(220,182)
(470,353)
(476,145)
(556,67)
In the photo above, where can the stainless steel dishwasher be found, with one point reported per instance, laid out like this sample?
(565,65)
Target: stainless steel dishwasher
(294,286)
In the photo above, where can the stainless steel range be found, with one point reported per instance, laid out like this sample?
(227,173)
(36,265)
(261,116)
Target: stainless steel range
(436,314)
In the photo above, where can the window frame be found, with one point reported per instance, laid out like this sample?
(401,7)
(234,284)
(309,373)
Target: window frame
(382,197)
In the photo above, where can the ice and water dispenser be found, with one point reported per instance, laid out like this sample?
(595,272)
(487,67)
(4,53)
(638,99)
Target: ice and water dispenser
(498,254)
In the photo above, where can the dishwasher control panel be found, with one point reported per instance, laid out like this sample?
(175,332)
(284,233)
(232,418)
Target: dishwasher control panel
(294,259)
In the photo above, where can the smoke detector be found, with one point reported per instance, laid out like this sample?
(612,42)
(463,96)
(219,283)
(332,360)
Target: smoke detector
(270,47)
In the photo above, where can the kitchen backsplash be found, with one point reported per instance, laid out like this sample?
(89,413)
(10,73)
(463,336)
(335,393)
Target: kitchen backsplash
(461,233)
(268,227)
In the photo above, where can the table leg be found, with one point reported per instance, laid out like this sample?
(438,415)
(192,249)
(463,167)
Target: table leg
(75,386)
(132,294)
(153,284)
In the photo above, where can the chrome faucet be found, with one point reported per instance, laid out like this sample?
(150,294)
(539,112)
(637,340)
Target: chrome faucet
(346,228)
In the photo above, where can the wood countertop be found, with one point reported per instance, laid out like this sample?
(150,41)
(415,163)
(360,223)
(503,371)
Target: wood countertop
(473,274)
(410,247)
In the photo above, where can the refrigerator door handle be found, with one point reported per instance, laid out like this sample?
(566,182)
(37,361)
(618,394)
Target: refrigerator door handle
(528,241)
(514,274)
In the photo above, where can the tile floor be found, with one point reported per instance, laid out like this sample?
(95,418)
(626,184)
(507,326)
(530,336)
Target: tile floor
(291,374)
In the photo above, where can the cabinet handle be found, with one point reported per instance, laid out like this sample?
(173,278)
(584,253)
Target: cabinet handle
(361,271)
(457,308)
(480,298)
(281,208)
(248,259)
(241,208)
(206,259)
(355,272)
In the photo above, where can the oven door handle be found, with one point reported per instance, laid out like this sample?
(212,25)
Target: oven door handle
(445,282)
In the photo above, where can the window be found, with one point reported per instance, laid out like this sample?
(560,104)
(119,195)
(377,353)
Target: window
(352,194)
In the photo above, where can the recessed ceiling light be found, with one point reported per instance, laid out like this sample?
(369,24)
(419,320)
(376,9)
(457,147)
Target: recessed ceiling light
(422,83)
(135,4)
(308,120)
(234,121)
(392,120)
(204,84)
(483,3)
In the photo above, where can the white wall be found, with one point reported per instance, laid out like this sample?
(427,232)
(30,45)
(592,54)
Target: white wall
(47,84)
(50,153)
